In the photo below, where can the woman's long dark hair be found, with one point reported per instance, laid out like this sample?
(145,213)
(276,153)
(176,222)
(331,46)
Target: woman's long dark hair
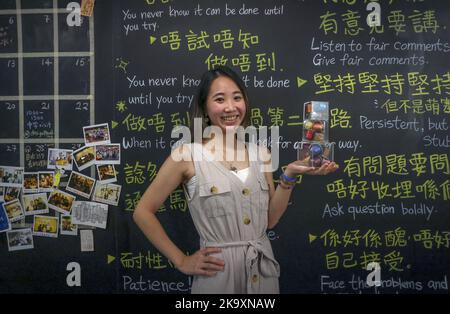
(204,87)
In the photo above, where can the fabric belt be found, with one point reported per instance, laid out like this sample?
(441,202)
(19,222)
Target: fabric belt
(258,258)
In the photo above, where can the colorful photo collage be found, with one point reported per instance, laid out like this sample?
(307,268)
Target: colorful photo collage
(24,194)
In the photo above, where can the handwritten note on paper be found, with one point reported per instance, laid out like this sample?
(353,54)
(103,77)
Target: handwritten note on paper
(90,214)
(87,240)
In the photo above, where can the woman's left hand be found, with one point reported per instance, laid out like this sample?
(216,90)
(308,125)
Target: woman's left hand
(301,167)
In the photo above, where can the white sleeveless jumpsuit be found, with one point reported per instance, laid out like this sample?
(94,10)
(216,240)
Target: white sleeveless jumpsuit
(233,216)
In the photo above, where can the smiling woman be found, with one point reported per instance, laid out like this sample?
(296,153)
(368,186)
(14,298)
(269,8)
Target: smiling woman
(221,91)
(226,106)
(232,199)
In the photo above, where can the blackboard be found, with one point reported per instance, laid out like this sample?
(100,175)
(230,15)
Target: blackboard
(136,64)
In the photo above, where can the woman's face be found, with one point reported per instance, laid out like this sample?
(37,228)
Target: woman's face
(225,104)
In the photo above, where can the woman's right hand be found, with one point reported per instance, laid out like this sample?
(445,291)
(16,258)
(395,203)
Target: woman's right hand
(202,263)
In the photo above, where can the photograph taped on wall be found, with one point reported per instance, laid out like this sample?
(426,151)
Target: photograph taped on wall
(20,239)
(30,182)
(35,204)
(96,134)
(84,157)
(45,226)
(107,154)
(60,201)
(46,179)
(80,184)
(60,159)
(11,193)
(14,210)
(107,193)
(11,176)
(67,227)
(106,173)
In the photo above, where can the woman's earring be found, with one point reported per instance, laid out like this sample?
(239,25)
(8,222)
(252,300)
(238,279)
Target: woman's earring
(206,119)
